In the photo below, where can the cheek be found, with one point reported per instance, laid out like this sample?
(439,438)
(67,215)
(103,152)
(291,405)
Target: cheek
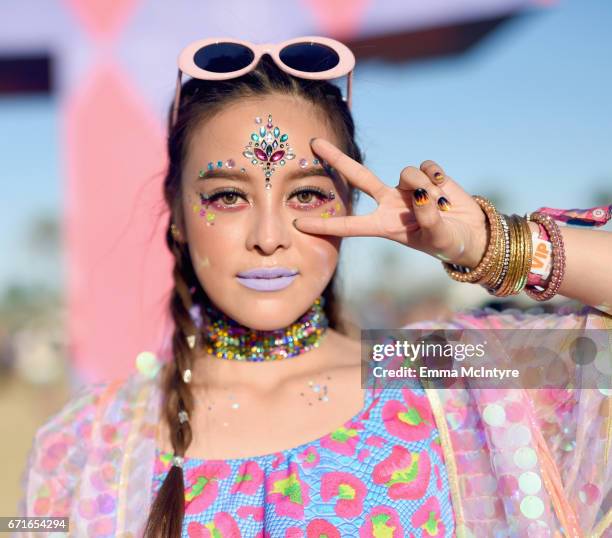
(207,224)
(321,258)
(200,261)
(208,247)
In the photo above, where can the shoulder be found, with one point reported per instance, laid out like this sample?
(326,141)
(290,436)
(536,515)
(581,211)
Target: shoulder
(60,448)
(90,402)
(567,316)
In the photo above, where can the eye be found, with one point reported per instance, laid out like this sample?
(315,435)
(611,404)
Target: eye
(227,197)
(305,196)
(309,197)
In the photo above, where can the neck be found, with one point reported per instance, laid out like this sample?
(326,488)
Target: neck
(225,338)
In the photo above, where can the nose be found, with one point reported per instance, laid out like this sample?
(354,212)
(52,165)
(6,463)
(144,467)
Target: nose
(269,229)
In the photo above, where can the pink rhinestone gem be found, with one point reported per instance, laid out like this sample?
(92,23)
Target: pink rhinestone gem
(230,163)
(303,163)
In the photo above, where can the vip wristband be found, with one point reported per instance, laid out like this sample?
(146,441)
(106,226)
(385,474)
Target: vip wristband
(542,247)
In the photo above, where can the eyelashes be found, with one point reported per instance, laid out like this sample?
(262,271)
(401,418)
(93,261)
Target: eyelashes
(215,198)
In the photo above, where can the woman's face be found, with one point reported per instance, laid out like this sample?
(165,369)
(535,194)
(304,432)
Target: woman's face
(234,224)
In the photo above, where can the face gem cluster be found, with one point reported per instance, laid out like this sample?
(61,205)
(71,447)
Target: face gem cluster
(268,148)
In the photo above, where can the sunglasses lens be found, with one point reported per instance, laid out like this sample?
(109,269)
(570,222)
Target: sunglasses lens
(309,57)
(223,57)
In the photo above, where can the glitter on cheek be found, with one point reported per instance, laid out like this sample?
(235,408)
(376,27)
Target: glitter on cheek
(201,261)
(331,211)
(205,211)
(210,216)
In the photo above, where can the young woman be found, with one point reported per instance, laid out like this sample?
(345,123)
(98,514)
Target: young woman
(258,425)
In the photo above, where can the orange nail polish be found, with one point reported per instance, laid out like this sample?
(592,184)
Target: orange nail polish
(444,204)
(421,197)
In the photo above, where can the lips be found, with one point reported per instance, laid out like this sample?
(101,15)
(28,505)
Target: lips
(272,272)
(267,279)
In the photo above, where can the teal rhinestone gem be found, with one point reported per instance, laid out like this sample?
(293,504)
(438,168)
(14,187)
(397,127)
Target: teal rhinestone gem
(284,138)
(254,137)
(219,164)
(262,131)
(276,131)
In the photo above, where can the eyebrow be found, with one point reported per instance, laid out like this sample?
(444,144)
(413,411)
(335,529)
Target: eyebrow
(240,176)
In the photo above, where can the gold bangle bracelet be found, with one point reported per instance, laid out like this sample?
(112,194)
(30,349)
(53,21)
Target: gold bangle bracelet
(517,262)
(472,276)
(528,253)
(518,259)
(504,257)
(496,267)
(506,285)
(522,256)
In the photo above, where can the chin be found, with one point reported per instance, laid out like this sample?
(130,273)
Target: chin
(270,310)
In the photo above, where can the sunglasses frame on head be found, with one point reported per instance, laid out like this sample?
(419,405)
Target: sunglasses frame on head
(187,62)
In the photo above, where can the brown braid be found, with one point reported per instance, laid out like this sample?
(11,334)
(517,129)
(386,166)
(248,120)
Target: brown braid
(200,99)
(168,509)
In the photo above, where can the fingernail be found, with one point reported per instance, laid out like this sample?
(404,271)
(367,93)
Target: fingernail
(444,204)
(421,197)
(438,176)
(312,139)
(293,222)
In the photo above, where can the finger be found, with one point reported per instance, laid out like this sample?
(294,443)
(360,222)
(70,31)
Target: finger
(430,220)
(412,178)
(434,172)
(355,173)
(349,226)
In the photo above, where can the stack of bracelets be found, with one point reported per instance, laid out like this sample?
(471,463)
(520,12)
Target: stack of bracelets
(508,265)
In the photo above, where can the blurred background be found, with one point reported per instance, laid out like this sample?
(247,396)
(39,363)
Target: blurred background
(511,97)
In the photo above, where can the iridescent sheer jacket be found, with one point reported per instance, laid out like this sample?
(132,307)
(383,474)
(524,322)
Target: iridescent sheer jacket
(93,461)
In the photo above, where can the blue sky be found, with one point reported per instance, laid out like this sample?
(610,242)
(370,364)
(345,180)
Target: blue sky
(526,115)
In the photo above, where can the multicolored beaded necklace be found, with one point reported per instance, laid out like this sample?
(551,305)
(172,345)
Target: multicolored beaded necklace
(225,338)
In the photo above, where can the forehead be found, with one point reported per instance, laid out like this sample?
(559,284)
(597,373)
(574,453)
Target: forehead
(230,129)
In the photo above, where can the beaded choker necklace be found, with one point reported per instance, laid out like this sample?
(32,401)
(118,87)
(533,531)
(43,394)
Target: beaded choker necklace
(225,338)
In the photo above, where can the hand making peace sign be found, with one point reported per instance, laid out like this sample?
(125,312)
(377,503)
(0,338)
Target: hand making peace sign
(457,234)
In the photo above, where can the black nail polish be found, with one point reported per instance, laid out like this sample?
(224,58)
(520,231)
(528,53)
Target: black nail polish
(444,204)
(420,196)
(438,176)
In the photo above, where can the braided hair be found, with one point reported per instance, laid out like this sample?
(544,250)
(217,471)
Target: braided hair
(199,101)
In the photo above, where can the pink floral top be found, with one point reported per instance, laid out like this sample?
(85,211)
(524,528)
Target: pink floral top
(517,461)
(381,473)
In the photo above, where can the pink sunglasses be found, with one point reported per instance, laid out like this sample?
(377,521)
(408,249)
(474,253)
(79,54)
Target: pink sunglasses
(309,57)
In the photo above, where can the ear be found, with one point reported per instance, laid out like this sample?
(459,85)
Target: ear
(177,232)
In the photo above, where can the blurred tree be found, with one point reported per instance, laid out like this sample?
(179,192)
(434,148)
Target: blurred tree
(43,235)
(36,295)
(603,195)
